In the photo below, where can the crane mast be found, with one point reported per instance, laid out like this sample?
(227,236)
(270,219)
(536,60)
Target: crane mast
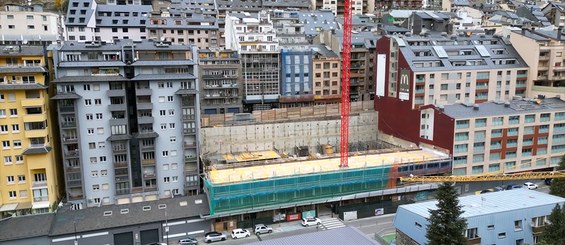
(345,81)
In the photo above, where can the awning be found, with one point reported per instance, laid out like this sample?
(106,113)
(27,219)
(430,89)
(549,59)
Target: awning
(24,205)
(8,207)
(40,205)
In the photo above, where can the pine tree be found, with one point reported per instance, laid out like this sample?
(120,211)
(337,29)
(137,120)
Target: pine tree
(553,233)
(446,226)
(557,187)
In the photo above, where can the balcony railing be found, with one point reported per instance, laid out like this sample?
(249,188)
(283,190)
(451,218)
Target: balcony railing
(38,184)
(40,199)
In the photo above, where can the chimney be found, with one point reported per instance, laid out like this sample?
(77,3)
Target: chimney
(523,31)
(506,104)
(475,107)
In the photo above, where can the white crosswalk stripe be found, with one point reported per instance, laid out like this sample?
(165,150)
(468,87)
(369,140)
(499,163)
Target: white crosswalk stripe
(332,223)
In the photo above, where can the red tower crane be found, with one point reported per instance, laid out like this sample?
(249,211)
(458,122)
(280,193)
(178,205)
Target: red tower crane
(345,103)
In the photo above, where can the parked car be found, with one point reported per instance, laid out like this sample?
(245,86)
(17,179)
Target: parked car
(512,187)
(214,237)
(240,233)
(548,181)
(484,191)
(530,185)
(188,241)
(261,229)
(310,221)
(499,188)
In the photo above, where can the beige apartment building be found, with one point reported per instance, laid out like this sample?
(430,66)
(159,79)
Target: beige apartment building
(326,67)
(544,52)
(516,136)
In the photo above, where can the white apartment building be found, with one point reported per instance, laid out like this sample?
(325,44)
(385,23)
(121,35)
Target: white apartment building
(253,35)
(30,25)
(88,21)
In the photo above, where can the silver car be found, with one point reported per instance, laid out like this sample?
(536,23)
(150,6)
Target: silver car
(261,229)
(214,237)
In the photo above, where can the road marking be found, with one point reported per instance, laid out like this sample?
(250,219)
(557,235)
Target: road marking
(332,223)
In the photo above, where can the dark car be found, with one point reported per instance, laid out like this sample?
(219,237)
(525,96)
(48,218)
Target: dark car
(188,241)
(548,181)
(511,187)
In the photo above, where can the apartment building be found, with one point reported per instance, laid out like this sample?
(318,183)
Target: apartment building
(220,81)
(337,7)
(88,21)
(495,137)
(505,217)
(555,13)
(543,51)
(295,27)
(30,25)
(253,36)
(362,71)
(326,78)
(128,117)
(29,173)
(296,72)
(194,22)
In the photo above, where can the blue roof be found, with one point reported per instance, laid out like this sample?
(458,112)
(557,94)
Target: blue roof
(490,203)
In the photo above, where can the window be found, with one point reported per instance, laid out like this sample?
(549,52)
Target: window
(86,87)
(90,131)
(6,144)
(98,116)
(171,112)
(91,145)
(518,225)
(490,227)
(15,128)
(19,159)
(165,153)
(12,194)
(104,172)
(166,179)
(102,158)
(97,101)
(10,179)
(7,160)
(502,235)
(94,173)
(89,117)
(171,125)
(101,144)
(17,143)
(170,98)
(162,112)
(3,128)
(96,187)
(87,102)
(173,139)
(13,112)
(21,178)
(471,233)
(163,126)
(175,179)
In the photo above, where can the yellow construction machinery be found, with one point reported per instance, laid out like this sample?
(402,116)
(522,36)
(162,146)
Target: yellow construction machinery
(486,177)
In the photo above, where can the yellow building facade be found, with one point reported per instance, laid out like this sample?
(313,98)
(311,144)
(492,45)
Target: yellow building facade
(29,181)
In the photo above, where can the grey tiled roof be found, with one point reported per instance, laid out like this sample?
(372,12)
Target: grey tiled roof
(162,62)
(456,43)
(22,69)
(132,21)
(66,96)
(91,219)
(487,109)
(143,77)
(323,51)
(14,50)
(91,63)
(21,86)
(340,236)
(74,46)
(28,226)
(79,79)
(36,150)
(89,12)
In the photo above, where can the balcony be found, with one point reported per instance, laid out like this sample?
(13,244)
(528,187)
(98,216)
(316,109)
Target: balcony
(120,164)
(189,131)
(148,162)
(189,159)
(41,199)
(68,140)
(33,102)
(189,145)
(143,91)
(538,229)
(71,153)
(35,117)
(115,92)
(145,120)
(144,105)
(74,183)
(188,117)
(473,241)
(149,175)
(38,133)
(66,109)
(68,124)
(117,107)
(38,184)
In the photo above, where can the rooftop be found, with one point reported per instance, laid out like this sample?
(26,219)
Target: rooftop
(514,107)
(490,203)
(20,51)
(19,226)
(345,235)
(320,165)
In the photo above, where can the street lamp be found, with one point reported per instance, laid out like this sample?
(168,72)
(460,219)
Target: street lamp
(166,226)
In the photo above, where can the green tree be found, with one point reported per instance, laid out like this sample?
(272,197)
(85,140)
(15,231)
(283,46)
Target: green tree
(557,187)
(553,233)
(446,226)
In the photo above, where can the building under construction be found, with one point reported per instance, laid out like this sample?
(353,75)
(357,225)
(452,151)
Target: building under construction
(282,164)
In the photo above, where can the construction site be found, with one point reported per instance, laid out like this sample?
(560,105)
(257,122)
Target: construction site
(261,170)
